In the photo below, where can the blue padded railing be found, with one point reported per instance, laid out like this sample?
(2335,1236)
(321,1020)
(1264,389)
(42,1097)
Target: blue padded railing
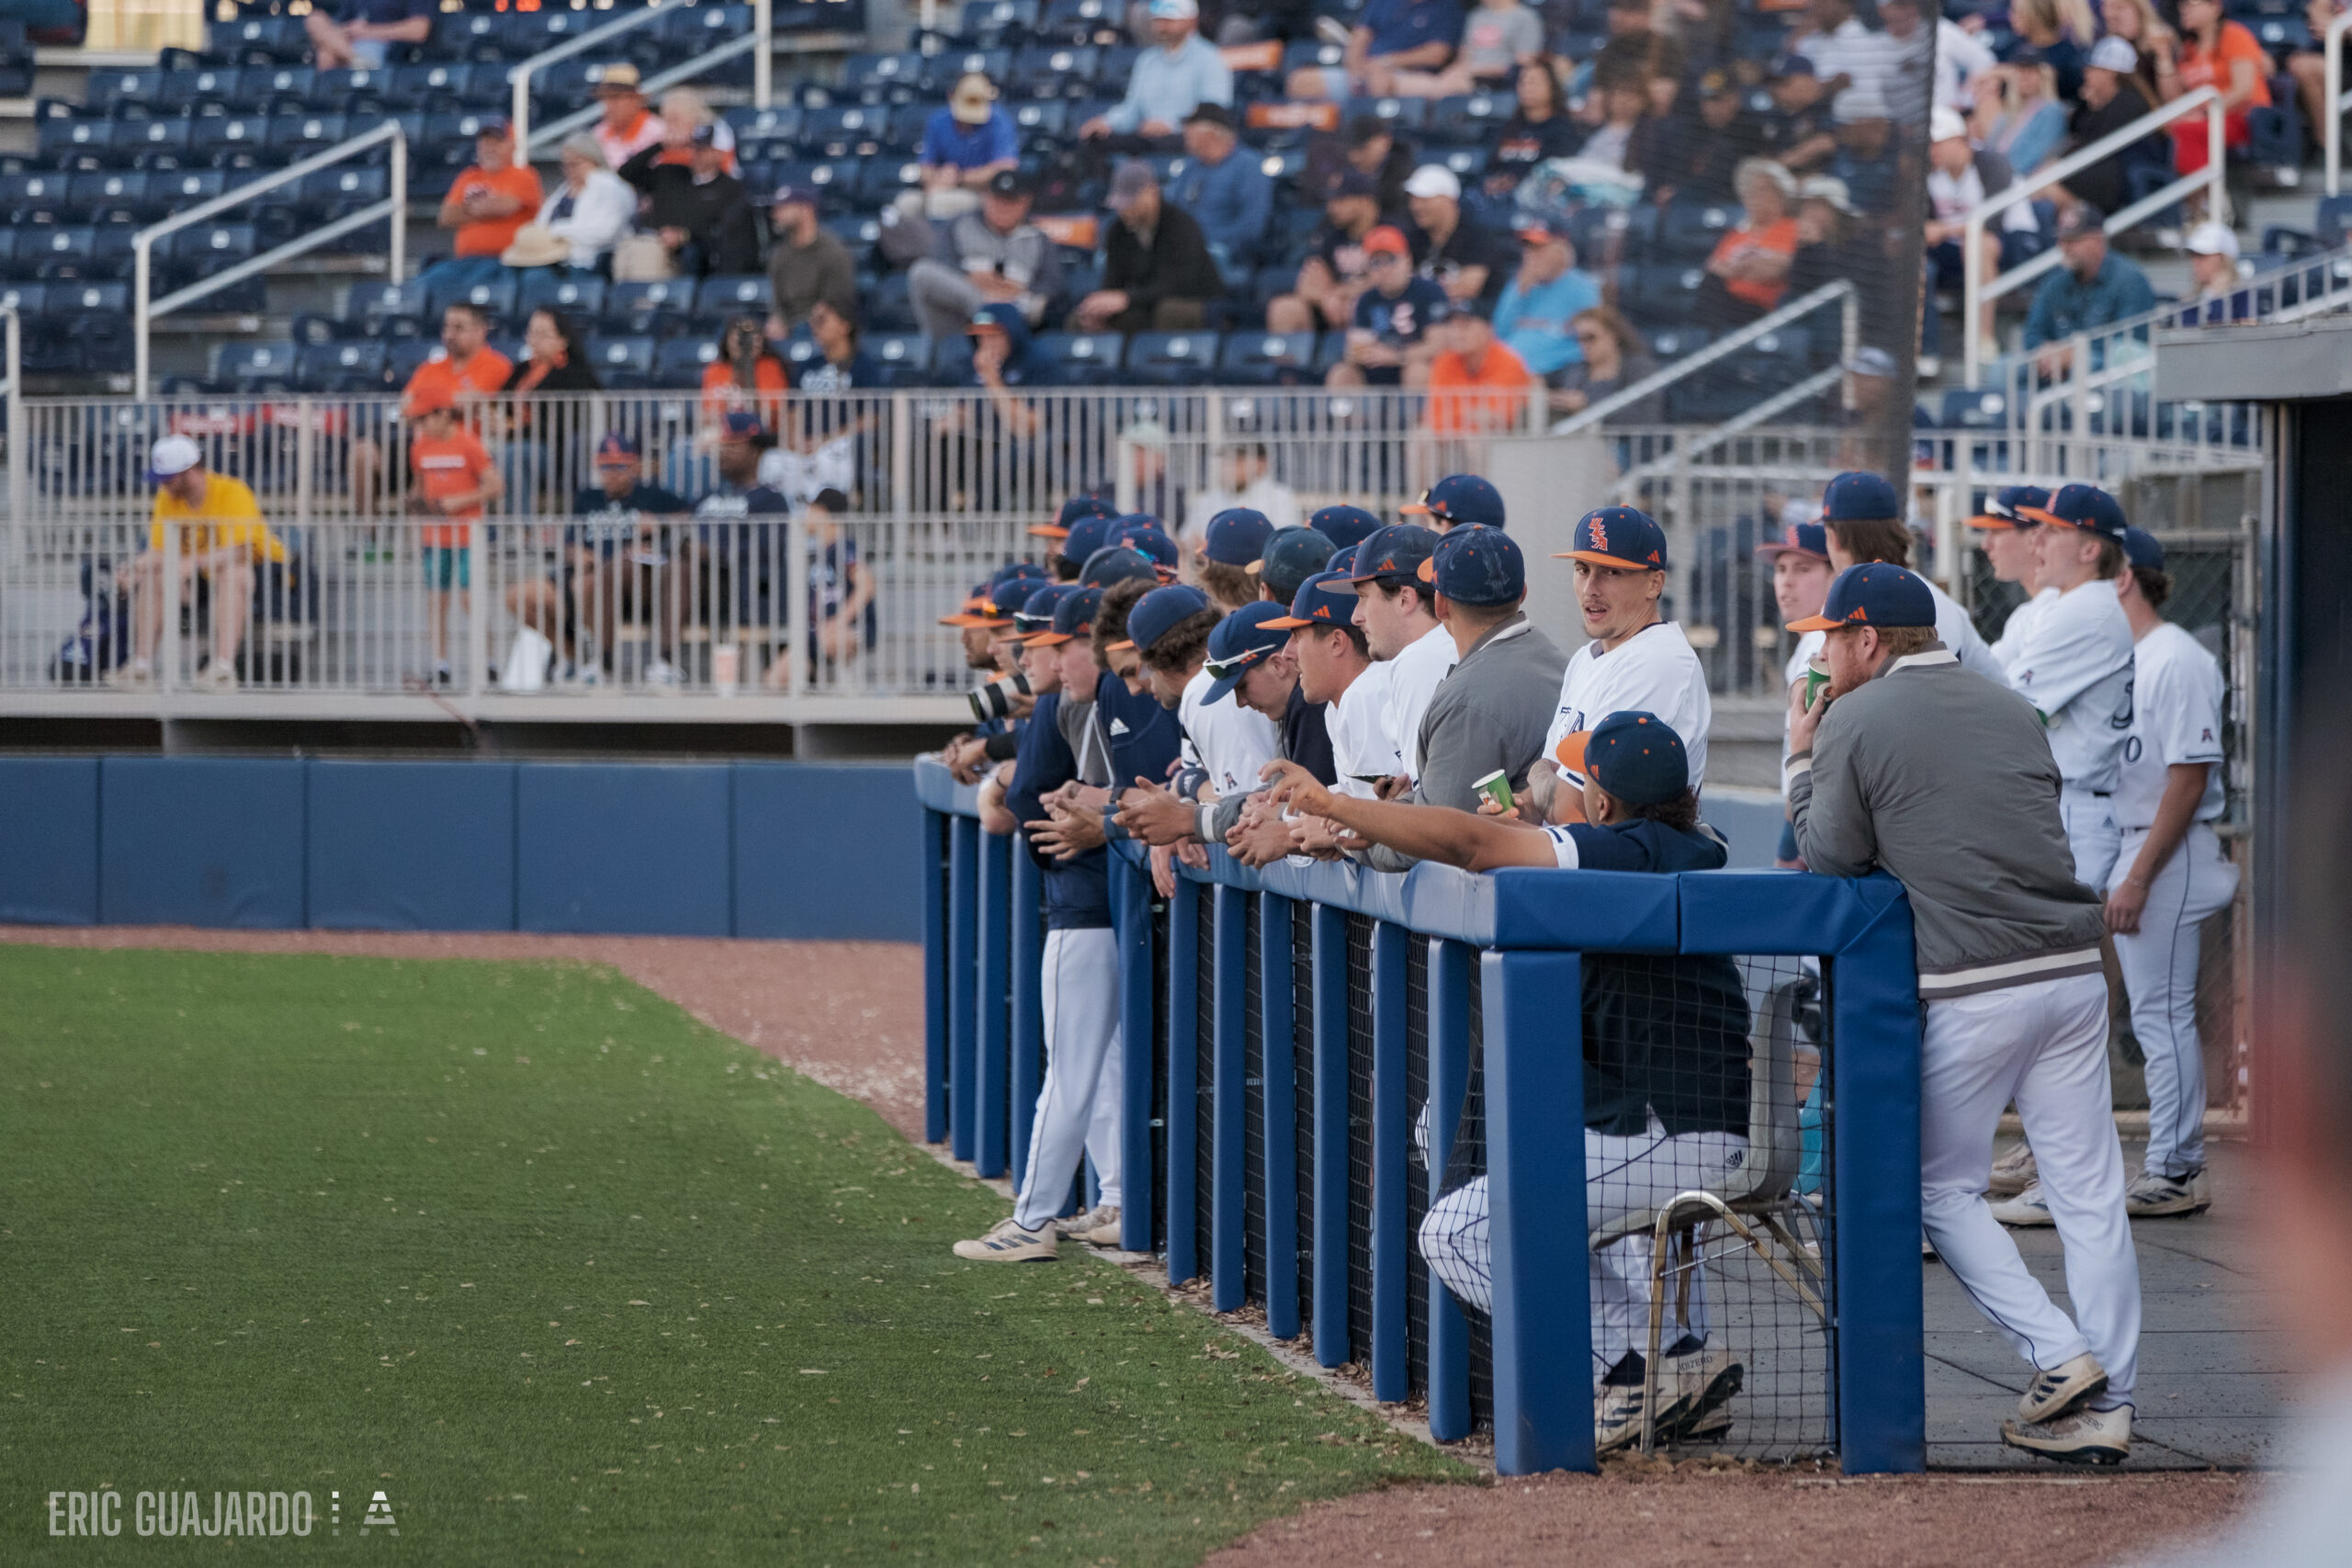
(1270,1154)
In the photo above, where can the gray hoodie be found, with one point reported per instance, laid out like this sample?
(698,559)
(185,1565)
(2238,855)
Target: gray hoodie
(1025,256)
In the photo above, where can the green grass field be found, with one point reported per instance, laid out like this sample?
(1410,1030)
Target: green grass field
(569,1277)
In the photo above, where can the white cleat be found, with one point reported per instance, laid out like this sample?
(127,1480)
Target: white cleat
(2087,1436)
(2012,1173)
(2061,1389)
(2028,1208)
(1008,1243)
(2154,1196)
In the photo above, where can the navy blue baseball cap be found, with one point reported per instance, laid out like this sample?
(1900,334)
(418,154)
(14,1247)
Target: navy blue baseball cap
(1011,570)
(1478,565)
(1459,499)
(1127,523)
(1859,498)
(1006,599)
(1073,617)
(1157,611)
(1394,552)
(1344,525)
(1875,593)
(1292,554)
(1323,600)
(1624,536)
(1236,537)
(2007,508)
(1798,539)
(975,610)
(1243,638)
(1073,509)
(1153,543)
(1638,758)
(1086,535)
(2087,507)
(2142,550)
(1036,613)
(1342,561)
(1114,564)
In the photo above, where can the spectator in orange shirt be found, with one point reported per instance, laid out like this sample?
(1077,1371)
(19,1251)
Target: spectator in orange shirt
(2225,56)
(467,371)
(1748,271)
(490,202)
(1477,383)
(454,478)
(628,128)
(749,376)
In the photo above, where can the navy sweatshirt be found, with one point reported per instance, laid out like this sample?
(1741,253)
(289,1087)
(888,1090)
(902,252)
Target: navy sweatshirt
(1077,895)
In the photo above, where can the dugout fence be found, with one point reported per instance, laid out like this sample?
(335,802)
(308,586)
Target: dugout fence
(1317,1055)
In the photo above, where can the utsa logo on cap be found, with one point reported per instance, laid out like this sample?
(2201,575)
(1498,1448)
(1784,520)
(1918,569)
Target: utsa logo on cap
(2087,507)
(1875,593)
(1809,539)
(1620,536)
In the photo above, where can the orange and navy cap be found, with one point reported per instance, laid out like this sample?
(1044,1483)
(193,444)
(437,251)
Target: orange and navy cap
(1637,756)
(1073,509)
(1622,536)
(2013,506)
(1387,239)
(1459,497)
(1876,593)
(1859,496)
(1323,600)
(1394,553)
(1073,617)
(976,609)
(2087,507)
(1477,565)
(1240,642)
(1798,539)
(1159,612)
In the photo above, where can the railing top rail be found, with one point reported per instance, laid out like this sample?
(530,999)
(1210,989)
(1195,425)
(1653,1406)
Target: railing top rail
(685,71)
(520,76)
(387,131)
(2331,140)
(1786,315)
(2082,158)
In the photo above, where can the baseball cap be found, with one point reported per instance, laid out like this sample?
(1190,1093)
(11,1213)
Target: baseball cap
(1133,178)
(1086,535)
(2079,221)
(1007,598)
(1433,179)
(1323,600)
(1945,125)
(1831,190)
(2007,508)
(2142,550)
(1478,565)
(1174,10)
(1075,508)
(1858,497)
(1147,539)
(618,451)
(1242,639)
(973,98)
(1019,568)
(2211,239)
(975,613)
(1798,539)
(171,456)
(1795,65)
(1206,113)
(1622,536)
(618,78)
(1535,231)
(1292,554)
(789,195)
(1036,613)
(2112,53)
(1636,757)
(1875,593)
(1868,362)
(1159,610)
(1236,537)
(1011,181)
(1459,497)
(1349,182)
(494,124)
(1344,525)
(1073,617)
(2087,507)
(1115,564)
(1394,552)
(430,399)
(741,424)
(1387,239)
(1343,561)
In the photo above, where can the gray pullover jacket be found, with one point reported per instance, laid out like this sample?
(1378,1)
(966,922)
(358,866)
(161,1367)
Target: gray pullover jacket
(1945,780)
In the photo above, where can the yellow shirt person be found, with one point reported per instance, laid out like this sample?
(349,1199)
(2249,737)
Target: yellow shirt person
(225,517)
(221,538)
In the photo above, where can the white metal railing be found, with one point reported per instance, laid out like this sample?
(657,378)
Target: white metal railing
(1841,291)
(1978,290)
(14,328)
(758,43)
(393,209)
(2331,137)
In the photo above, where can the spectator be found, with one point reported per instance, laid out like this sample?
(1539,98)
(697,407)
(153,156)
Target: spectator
(1337,266)
(2018,114)
(2212,262)
(700,211)
(1477,385)
(2137,24)
(2308,66)
(221,539)
(1538,130)
(735,552)
(1960,180)
(840,364)
(1371,147)
(627,127)
(1615,358)
(1961,57)
(1225,188)
(467,371)
(1498,38)
(982,444)
(748,377)
(684,111)
(1465,259)
(2112,98)
(619,551)
(541,438)
(2058,33)
(1638,55)
(1246,480)
(1698,150)
(1538,305)
(1394,37)
(1797,133)
(1385,338)
(2094,289)
(1748,273)
(1623,133)
(1157,274)
(966,144)
(491,200)
(594,207)
(1830,246)
(1168,83)
(994,257)
(2223,55)
(1851,59)
(1914,73)
(818,444)
(361,35)
(455,478)
(808,265)
(840,591)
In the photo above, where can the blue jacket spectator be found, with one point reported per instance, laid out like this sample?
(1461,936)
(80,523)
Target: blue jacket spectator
(1392,36)
(1169,83)
(1546,294)
(2095,288)
(965,143)
(1224,186)
(361,33)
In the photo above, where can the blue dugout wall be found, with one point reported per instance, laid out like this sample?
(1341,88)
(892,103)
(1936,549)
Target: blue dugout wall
(746,849)
(1278,1026)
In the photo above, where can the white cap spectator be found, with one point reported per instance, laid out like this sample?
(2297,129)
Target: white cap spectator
(2209,239)
(2112,53)
(1434,179)
(1944,125)
(1175,10)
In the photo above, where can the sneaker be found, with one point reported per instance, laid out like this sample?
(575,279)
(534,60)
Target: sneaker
(218,675)
(2153,1195)
(2012,1173)
(2058,1390)
(1099,1226)
(137,673)
(1702,1382)
(1928,1250)
(662,673)
(2087,1436)
(1617,1420)
(2028,1208)
(1008,1243)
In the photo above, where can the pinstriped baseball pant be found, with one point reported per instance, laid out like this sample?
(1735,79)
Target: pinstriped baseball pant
(2159,965)
(1078,1109)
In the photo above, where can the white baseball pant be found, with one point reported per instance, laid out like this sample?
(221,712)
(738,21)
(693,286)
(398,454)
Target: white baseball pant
(2091,833)
(1623,1176)
(2159,966)
(2044,1045)
(1078,1109)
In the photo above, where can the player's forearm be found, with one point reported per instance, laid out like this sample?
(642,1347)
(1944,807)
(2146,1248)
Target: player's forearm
(1426,832)
(2184,788)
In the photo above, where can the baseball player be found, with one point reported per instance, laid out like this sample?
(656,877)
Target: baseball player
(1234,538)
(2012,544)
(1457,501)
(1635,661)
(1398,615)
(1336,669)
(1909,763)
(1865,524)
(1068,558)
(1345,526)
(1801,574)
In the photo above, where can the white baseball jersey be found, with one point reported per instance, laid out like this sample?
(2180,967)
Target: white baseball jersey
(2021,621)
(1792,672)
(2075,669)
(1357,722)
(1413,676)
(1652,672)
(2176,718)
(1957,632)
(1230,742)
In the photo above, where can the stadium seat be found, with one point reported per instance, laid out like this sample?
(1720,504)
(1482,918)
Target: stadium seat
(889,308)
(384,310)
(428,87)
(883,78)
(1673,343)
(902,357)
(1045,123)
(1662,296)
(1054,71)
(469,36)
(59,254)
(881,180)
(254,366)
(355,367)
(940,71)
(230,143)
(58,140)
(1082,21)
(723,296)
(1172,359)
(853,131)
(1266,359)
(995,24)
(780,123)
(299,135)
(679,362)
(39,199)
(1399,114)
(203,249)
(402,359)
(860,234)
(1078,359)
(496,298)
(118,196)
(178,189)
(654,309)
(1474,119)
(156,144)
(1307,54)
(1970,408)
(1688,232)
(123,94)
(622,363)
(694,29)
(580,296)
(259,40)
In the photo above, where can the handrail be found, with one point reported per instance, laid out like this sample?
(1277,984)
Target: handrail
(1977,290)
(1720,349)
(758,41)
(19,448)
(394,206)
(2333,141)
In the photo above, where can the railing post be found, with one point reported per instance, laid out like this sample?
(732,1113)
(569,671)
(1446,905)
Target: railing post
(167,617)
(399,204)
(1184,1002)
(997,1102)
(20,438)
(936,966)
(140,262)
(2331,137)
(1028,1076)
(1392,1119)
(796,608)
(1449,1033)
(2216,200)
(1278,1069)
(1972,263)
(962,973)
(1331,980)
(763,54)
(1131,896)
(902,459)
(1228,1026)
(479,600)
(519,111)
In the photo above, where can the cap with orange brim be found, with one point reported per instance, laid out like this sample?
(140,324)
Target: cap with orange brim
(1073,509)
(1323,600)
(975,610)
(1623,537)
(2013,507)
(1073,618)
(1875,593)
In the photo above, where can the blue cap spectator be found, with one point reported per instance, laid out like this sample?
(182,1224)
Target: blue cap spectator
(1236,537)
(1344,525)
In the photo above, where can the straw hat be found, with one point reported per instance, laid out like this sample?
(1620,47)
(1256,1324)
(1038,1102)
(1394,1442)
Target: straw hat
(535,244)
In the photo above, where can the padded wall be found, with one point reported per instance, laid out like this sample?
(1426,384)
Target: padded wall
(411,846)
(49,841)
(201,841)
(632,848)
(826,851)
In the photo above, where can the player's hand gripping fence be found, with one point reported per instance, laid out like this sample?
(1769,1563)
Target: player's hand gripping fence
(1588,1159)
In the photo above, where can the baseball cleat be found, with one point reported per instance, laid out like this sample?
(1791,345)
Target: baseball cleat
(1099,1227)
(1008,1243)
(2028,1208)
(1617,1420)
(2061,1388)
(2012,1173)
(2153,1195)
(1705,1382)
(2087,1436)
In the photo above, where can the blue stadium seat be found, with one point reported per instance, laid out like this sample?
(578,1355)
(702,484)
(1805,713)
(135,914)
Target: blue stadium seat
(203,249)
(470,35)
(880,181)
(283,88)
(1053,70)
(888,307)
(940,71)
(1688,231)
(1172,359)
(429,87)
(833,178)
(723,296)
(178,189)
(681,361)
(1306,54)
(904,359)
(693,30)
(1078,359)
(495,297)
(1266,359)
(38,199)
(780,123)
(1398,114)
(384,310)
(1662,296)
(1972,408)
(1042,125)
(845,132)
(303,134)
(860,234)
(63,254)
(222,142)
(157,144)
(993,23)
(580,296)
(1472,118)
(1082,21)
(656,310)
(403,358)
(622,363)
(883,78)
(351,366)
(1673,343)
(58,140)
(210,89)
(120,94)
(254,366)
(117,197)
(259,40)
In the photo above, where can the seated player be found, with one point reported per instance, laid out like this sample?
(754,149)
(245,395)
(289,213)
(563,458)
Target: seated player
(1666,1084)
